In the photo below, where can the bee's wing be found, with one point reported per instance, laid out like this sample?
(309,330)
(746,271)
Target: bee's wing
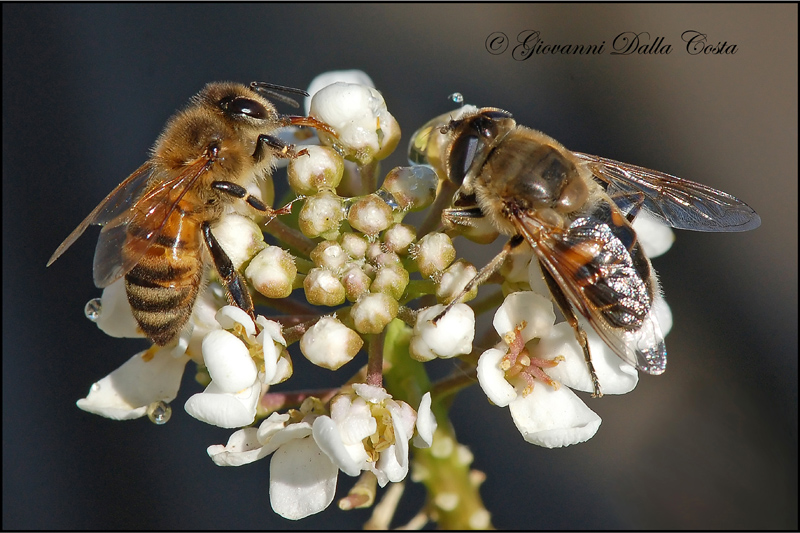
(643,347)
(131,202)
(125,238)
(679,203)
(115,204)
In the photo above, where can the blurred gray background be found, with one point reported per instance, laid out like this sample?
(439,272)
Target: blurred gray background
(710,444)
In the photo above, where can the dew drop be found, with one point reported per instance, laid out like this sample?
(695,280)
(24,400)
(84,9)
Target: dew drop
(92,309)
(95,388)
(456,98)
(159,413)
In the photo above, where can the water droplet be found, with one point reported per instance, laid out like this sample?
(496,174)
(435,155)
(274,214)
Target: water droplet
(95,387)
(159,412)
(92,309)
(456,98)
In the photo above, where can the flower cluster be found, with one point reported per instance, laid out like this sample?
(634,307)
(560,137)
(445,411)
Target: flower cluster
(370,282)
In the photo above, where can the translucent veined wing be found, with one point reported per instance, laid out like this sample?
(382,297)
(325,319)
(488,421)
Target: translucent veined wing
(564,254)
(679,203)
(133,215)
(117,203)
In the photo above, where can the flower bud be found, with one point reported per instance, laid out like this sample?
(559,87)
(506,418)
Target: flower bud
(452,335)
(330,255)
(433,253)
(354,245)
(453,281)
(320,214)
(330,344)
(365,130)
(373,312)
(398,237)
(413,188)
(370,215)
(239,236)
(391,279)
(272,272)
(321,168)
(356,282)
(323,288)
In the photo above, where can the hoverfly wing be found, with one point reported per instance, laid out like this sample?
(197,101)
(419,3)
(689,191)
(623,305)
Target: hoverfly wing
(616,294)
(126,237)
(113,206)
(679,203)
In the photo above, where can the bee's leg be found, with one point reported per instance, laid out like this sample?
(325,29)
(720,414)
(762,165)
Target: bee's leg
(238,191)
(484,274)
(569,315)
(238,294)
(267,144)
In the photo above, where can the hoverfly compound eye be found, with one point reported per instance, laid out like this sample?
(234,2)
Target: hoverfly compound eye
(237,106)
(497,114)
(462,154)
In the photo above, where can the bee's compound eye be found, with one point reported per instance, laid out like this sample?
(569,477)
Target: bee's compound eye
(462,154)
(244,107)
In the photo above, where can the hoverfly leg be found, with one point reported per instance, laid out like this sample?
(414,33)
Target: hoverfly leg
(238,294)
(484,274)
(569,315)
(630,203)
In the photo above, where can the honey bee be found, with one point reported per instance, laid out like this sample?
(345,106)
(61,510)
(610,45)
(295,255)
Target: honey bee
(575,211)
(156,221)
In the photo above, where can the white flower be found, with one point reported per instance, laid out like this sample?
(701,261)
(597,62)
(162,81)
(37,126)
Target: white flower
(237,379)
(367,430)
(452,335)
(302,477)
(523,378)
(115,316)
(150,376)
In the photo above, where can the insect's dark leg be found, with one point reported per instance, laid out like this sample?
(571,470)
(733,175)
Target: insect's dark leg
(267,144)
(569,315)
(238,191)
(238,294)
(629,203)
(484,273)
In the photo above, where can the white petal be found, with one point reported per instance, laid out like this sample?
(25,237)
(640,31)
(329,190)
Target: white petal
(553,418)
(230,315)
(223,409)
(371,393)
(327,436)
(535,310)
(663,314)
(493,379)
(228,361)
(536,279)
(116,318)
(614,374)
(243,448)
(655,237)
(127,391)
(426,423)
(271,328)
(302,480)
(353,418)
